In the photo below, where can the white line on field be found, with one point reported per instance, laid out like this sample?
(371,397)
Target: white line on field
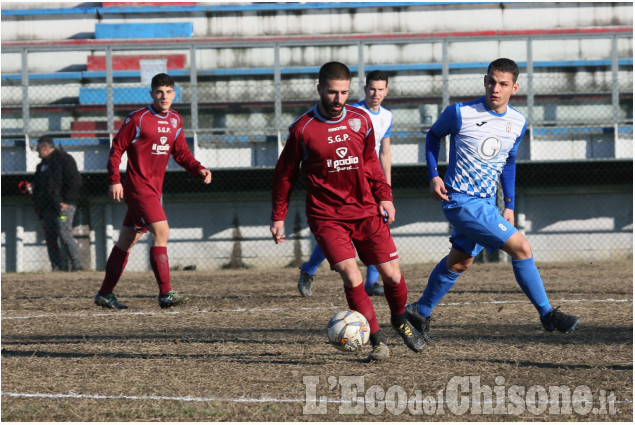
(354,400)
(267,309)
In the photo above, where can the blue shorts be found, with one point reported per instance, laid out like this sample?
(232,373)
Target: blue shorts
(477,223)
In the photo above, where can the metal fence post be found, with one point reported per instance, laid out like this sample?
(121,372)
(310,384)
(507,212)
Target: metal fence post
(360,68)
(615,89)
(194,97)
(110,108)
(25,92)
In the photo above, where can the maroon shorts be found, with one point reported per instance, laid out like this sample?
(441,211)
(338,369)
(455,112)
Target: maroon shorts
(369,238)
(143,212)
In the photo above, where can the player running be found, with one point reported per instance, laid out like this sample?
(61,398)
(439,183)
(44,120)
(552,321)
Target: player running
(485,134)
(375,91)
(149,136)
(347,196)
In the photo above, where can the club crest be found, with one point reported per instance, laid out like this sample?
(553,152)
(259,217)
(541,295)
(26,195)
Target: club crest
(355,124)
(174,122)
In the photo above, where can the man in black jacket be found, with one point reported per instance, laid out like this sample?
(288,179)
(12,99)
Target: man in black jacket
(56,189)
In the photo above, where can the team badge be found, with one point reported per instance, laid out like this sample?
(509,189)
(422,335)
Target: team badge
(341,152)
(355,124)
(508,127)
(174,122)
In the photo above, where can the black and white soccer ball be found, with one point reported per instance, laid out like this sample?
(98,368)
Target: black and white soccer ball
(348,330)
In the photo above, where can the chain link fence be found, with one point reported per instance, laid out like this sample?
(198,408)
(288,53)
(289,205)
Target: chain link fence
(580,135)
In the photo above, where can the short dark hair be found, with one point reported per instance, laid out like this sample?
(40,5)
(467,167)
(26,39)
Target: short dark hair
(333,71)
(47,140)
(161,80)
(376,75)
(505,65)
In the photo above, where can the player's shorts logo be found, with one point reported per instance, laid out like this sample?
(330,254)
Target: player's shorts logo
(489,147)
(341,152)
(355,124)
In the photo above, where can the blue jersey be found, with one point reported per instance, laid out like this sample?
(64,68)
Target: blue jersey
(483,145)
(382,122)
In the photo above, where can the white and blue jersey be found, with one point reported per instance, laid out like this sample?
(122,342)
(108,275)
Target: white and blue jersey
(382,122)
(483,145)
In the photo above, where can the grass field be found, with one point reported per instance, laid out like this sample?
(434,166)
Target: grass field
(247,347)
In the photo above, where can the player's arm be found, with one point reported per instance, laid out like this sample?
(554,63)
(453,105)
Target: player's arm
(447,123)
(284,178)
(508,180)
(183,156)
(120,143)
(385,159)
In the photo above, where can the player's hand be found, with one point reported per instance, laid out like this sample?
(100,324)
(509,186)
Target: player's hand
(277,228)
(206,174)
(509,216)
(115,191)
(63,206)
(387,207)
(438,190)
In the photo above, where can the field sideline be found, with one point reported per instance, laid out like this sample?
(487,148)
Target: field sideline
(247,347)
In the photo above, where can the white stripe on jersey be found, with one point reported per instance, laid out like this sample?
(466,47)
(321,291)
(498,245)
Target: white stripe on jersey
(382,122)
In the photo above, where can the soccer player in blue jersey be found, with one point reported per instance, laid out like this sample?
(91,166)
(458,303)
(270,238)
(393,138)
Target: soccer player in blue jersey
(484,137)
(375,91)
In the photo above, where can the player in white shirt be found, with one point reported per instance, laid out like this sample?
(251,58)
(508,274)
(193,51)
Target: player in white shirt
(484,137)
(375,91)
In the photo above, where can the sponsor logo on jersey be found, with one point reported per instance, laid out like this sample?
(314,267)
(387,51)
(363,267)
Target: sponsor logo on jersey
(163,140)
(346,163)
(489,147)
(341,127)
(163,129)
(174,122)
(161,149)
(355,124)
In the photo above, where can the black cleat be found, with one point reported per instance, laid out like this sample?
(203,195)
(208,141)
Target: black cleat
(304,284)
(374,289)
(413,339)
(109,301)
(556,320)
(422,324)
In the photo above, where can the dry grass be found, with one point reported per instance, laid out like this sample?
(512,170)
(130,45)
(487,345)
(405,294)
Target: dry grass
(240,349)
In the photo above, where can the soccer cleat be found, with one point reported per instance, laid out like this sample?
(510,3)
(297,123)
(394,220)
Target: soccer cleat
(380,352)
(556,320)
(374,289)
(413,339)
(170,299)
(109,301)
(304,284)
(422,324)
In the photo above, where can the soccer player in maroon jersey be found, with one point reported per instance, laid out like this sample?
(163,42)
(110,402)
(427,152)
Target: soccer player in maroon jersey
(347,197)
(149,136)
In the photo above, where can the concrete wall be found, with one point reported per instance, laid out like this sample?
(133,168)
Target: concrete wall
(580,224)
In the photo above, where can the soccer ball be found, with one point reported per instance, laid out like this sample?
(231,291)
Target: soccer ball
(348,330)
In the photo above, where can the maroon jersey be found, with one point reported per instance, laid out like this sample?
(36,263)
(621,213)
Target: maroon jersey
(343,175)
(149,139)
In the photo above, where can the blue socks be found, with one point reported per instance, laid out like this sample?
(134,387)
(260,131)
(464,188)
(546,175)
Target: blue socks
(530,282)
(440,282)
(317,256)
(372,276)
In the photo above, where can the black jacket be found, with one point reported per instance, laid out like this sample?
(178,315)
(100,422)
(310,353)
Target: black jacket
(56,180)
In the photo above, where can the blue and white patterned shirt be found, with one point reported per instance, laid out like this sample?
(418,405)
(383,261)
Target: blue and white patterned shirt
(483,145)
(382,122)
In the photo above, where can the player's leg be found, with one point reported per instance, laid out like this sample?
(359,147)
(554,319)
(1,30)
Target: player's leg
(160,264)
(372,285)
(396,293)
(307,271)
(530,281)
(117,260)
